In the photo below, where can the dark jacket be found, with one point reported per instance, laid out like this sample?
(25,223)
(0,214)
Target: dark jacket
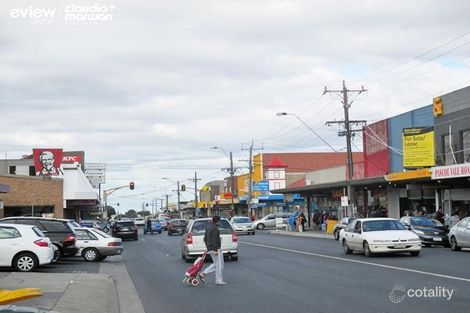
(212,237)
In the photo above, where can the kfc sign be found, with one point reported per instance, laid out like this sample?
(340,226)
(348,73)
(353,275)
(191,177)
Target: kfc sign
(71,159)
(47,162)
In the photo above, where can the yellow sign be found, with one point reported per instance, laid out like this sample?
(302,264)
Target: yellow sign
(418,147)
(409,175)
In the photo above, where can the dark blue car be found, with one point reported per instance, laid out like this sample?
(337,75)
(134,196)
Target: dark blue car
(156,227)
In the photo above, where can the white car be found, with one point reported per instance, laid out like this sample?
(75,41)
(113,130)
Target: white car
(243,225)
(24,247)
(192,243)
(459,235)
(139,221)
(379,235)
(95,245)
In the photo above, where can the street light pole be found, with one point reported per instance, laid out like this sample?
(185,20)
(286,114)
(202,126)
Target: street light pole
(232,172)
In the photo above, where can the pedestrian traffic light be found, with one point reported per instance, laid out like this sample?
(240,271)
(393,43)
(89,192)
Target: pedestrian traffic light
(131,185)
(183,187)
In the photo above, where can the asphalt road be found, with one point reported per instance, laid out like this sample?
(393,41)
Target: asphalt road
(278,273)
(290,274)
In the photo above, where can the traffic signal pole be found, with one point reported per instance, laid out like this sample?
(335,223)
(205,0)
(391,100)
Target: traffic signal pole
(107,192)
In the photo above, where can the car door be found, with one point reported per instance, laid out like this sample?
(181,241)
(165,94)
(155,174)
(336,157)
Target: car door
(85,239)
(10,244)
(356,236)
(270,220)
(349,234)
(464,231)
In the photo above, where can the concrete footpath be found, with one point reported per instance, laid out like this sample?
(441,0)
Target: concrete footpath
(110,291)
(306,233)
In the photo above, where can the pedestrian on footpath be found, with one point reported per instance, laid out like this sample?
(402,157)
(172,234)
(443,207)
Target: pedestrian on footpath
(302,222)
(213,245)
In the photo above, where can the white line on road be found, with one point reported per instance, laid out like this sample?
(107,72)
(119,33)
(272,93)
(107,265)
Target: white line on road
(357,261)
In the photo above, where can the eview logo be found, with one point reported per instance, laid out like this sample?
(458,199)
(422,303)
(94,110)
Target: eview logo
(33,15)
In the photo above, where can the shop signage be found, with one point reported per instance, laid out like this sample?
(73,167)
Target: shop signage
(227,195)
(262,185)
(344,201)
(418,147)
(48,162)
(408,175)
(451,171)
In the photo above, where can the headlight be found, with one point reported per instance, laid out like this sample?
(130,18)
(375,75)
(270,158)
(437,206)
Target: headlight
(379,241)
(419,232)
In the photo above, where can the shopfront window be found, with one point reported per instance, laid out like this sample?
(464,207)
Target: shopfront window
(466,146)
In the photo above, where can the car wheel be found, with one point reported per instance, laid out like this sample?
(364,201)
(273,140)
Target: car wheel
(427,245)
(346,247)
(414,253)
(336,234)
(453,244)
(91,255)
(234,258)
(25,262)
(60,253)
(136,238)
(253,233)
(367,251)
(260,226)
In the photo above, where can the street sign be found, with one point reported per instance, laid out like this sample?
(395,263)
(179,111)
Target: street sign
(262,185)
(344,201)
(96,173)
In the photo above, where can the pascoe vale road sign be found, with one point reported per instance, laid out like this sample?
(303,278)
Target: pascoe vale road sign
(262,185)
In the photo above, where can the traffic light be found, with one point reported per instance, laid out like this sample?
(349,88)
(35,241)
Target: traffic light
(131,185)
(438,107)
(183,187)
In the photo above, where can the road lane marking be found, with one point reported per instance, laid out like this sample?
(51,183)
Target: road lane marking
(357,261)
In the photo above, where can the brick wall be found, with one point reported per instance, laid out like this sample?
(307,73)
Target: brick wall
(40,191)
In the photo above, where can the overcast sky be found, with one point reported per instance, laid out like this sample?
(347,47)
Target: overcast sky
(152,87)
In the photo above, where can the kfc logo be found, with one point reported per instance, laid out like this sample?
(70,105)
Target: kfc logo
(71,159)
(47,162)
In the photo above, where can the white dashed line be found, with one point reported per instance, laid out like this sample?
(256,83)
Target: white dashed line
(359,262)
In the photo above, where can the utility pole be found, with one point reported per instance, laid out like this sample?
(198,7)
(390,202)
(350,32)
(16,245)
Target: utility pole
(178,194)
(250,175)
(347,125)
(166,196)
(232,184)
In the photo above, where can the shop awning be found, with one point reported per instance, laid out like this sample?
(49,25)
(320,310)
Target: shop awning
(77,186)
(341,184)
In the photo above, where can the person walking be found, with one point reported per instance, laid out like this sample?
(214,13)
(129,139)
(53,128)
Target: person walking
(149,225)
(302,222)
(213,245)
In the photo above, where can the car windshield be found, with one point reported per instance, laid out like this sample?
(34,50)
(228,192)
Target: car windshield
(178,222)
(125,224)
(381,225)
(422,221)
(241,220)
(101,233)
(199,227)
(155,221)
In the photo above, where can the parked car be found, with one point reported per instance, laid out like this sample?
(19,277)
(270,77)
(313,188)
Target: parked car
(95,245)
(91,224)
(139,221)
(164,223)
(341,225)
(459,235)
(379,235)
(60,231)
(177,226)
(125,229)
(156,227)
(426,230)
(270,220)
(24,247)
(192,243)
(243,225)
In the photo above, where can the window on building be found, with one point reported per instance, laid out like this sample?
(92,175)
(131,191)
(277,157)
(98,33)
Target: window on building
(32,171)
(276,174)
(12,170)
(277,185)
(466,146)
(448,157)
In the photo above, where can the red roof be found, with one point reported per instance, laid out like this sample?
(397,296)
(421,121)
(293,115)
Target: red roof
(276,163)
(297,184)
(300,162)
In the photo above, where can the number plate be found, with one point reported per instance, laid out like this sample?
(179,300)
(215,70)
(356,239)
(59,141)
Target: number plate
(399,245)
(125,229)
(437,238)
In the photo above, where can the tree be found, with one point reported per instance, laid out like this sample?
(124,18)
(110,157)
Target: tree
(110,210)
(131,213)
(144,213)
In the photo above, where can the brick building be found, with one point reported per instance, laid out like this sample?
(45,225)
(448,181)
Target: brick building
(29,195)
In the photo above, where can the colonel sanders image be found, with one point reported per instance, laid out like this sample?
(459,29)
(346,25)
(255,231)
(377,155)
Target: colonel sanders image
(47,160)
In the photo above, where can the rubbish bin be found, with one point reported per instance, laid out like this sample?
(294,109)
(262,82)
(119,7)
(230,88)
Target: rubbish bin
(330,226)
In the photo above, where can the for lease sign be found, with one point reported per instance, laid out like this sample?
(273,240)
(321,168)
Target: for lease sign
(450,171)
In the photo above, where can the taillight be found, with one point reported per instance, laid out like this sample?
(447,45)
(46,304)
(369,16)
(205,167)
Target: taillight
(41,243)
(70,238)
(189,239)
(113,244)
(234,237)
